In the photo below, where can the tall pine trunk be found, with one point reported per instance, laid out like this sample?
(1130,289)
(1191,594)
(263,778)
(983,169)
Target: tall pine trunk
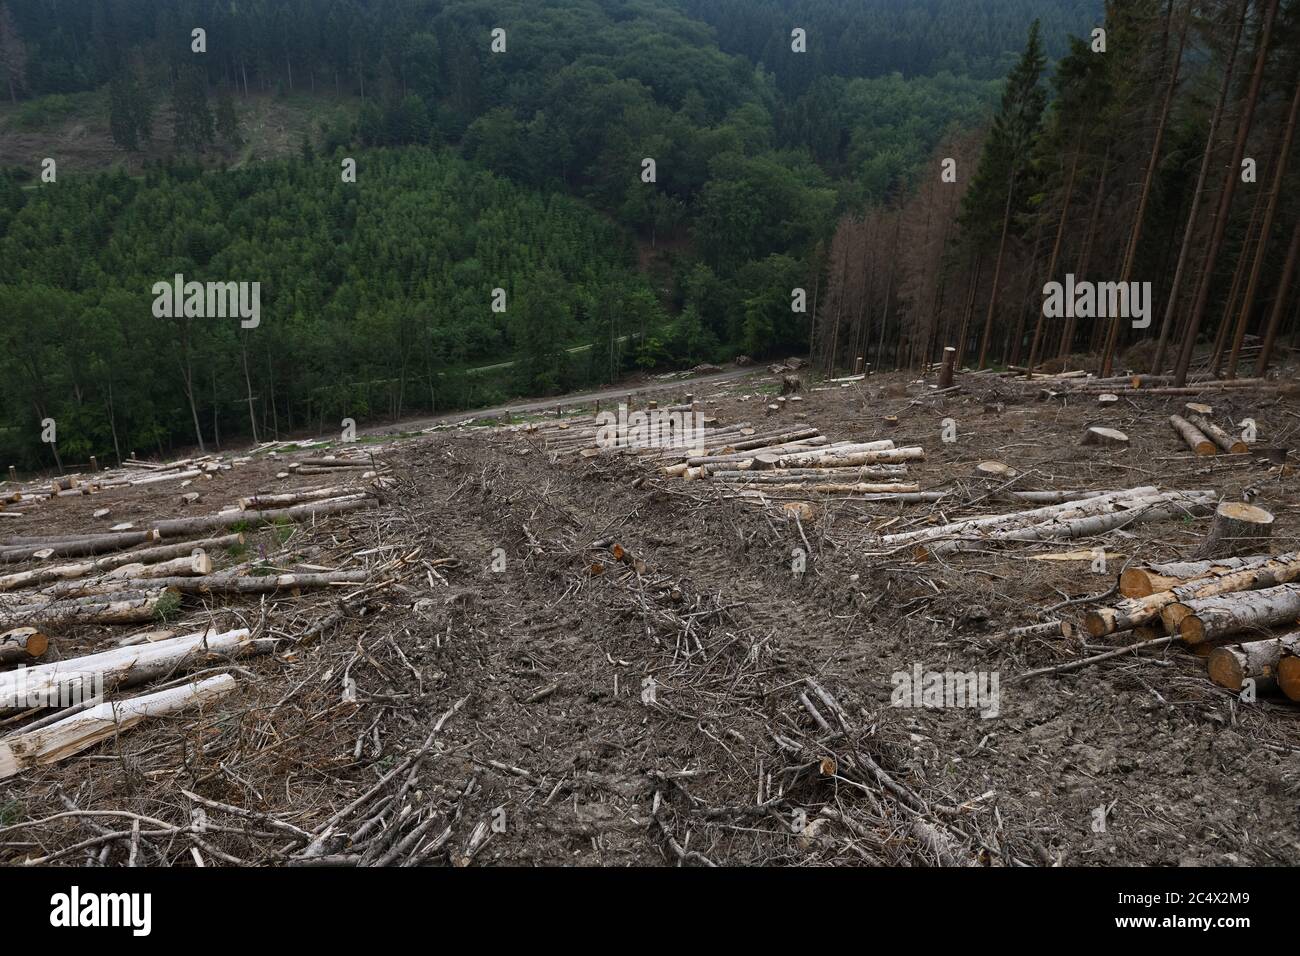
(1284,154)
(1225,199)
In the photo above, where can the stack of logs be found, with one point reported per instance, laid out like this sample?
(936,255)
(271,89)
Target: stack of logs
(1241,613)
(1202,435)
(134,578)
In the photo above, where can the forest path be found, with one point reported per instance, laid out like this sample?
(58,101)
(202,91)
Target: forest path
(572,398)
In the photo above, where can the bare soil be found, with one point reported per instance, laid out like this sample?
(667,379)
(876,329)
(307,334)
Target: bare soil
(659,743)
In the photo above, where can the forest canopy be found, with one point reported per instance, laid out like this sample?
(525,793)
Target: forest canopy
(646,180)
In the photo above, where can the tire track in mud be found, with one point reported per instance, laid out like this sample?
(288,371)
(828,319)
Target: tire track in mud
(645,710)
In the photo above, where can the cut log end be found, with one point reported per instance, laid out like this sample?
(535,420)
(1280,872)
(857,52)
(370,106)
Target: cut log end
(1135,582)
(1226,666)
(1288,677)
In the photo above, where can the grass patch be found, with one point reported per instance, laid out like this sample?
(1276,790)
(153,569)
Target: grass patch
(284,530)
(169,607)
(11,812)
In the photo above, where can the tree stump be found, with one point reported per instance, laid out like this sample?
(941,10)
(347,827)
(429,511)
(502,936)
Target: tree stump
(1104,436)
(1238,529)
(949,366)
(994,469)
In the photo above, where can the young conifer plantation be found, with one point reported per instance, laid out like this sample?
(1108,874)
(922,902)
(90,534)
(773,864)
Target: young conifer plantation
(648,433)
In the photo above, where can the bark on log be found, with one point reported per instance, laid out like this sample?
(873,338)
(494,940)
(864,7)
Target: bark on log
(83,730)
(1192,436)
(1208,618)
(832,488)
(96,544)
(1064,529)
(1238,529)
(241,584)
(335,463)
(262,502)
(134,610)
(21,645)
(1140,582)
(833,458)
(1233,446)
(1231,665)
(195,563)
(794,475)
(144,556)
(117,668)
(180,526)
(1135,612)
(1020,518)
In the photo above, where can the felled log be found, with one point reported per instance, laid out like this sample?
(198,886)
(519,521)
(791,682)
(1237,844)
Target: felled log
(1019,518)
(833,488)
(1062,528)
(1231,665)
(261,502)
(764,457)
(1104,436)
(180,526)
(109,562)
(109,609)
(93,544)
(21,645)
(1141,581)
(1213,617)
(1134,612)
(195,563)
(834,458)
(790,475)
(333,463)
(1192,436)
(83,730)
(118,668)
(235,583)
(1237,529)
(1052,497)
(1233,446)
(1050,629)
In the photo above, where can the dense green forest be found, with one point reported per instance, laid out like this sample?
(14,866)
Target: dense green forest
(520,166)
(647,181)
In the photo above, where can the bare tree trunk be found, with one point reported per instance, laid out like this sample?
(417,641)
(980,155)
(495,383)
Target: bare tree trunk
(997,268)
(1194,212)
(1279,304)
(1067,336)
(1225,200)
(1261,252)
(1130,254)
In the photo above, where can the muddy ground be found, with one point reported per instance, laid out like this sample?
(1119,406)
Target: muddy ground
(655,718)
